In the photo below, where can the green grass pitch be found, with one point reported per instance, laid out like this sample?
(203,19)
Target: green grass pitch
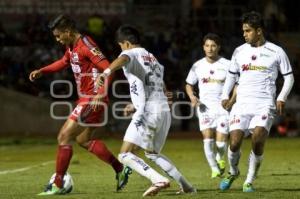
(26,167)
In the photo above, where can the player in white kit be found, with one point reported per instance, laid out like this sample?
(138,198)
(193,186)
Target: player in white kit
(210,73)
(257,62)
(151,120)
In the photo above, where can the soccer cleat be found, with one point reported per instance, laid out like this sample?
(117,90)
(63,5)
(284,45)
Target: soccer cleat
(227,181)
(221,165)
(122,177)
(155,188)
(52,189)
(248,187)
(215,174)
(191,190)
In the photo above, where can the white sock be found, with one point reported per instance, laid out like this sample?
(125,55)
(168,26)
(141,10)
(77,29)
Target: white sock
(221,149)
(210,154)
(233,160)
(254,164)
(138,165)
(167,166)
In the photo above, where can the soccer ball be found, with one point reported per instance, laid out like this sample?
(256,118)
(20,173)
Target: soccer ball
(67,182)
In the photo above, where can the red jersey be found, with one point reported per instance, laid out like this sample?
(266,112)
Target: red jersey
(86,61)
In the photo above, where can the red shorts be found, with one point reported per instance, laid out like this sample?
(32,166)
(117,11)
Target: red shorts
(85,115)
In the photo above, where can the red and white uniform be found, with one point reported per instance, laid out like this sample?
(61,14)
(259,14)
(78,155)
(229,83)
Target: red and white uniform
(87,62)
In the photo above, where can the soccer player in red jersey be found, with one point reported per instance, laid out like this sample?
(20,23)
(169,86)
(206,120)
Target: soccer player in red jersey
(87,61)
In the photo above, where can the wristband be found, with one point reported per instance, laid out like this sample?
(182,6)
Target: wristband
(107,72)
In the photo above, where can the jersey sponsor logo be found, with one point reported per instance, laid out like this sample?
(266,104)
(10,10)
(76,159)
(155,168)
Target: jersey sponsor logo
(148,58)
(234,121)
(264,55)
(211,80)
(247,67)
(95,51)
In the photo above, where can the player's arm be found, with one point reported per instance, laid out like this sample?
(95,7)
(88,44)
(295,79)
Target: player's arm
(232,99)
(227,88)
(286,89)
(189,89)
(54,67)
(287,73)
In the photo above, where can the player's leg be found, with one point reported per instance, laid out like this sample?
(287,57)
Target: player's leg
(66,135)
(162,129)
(234,154)
(260,124)
(221,140)
(137,135)
(128,158)
(209,151)
(98,148)
(221,145)
(259,137)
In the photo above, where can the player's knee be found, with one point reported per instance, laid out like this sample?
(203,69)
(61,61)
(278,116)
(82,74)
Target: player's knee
(234,146)
(221,144)
(81,142)
(63,138)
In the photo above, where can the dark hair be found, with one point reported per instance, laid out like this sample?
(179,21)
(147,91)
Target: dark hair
(62,22)
(254,19)
(128,33)
(212,36)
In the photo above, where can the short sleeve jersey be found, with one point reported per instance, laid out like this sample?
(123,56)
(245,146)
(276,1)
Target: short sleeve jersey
(258,69)
(210,78)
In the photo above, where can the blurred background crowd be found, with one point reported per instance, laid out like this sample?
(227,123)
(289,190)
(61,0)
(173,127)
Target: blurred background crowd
(172,31)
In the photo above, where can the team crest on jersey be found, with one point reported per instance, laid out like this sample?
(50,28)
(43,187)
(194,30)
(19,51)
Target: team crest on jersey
(253,57)
(211,72)
(222,125)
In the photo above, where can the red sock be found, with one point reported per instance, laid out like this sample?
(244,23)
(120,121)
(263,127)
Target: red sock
(63,158)
(98,148)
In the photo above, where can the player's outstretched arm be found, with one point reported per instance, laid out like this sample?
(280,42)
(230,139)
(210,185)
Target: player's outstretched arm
(35,75)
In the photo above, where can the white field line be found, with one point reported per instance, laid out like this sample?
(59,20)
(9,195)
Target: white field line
(24,168)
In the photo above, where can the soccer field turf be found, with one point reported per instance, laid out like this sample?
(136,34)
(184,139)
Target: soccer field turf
(27,166)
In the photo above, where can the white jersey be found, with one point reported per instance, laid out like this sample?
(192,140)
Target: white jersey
(258,69)
(145,76)
(210,78)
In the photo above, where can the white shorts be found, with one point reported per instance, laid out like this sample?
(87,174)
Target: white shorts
(248,116)
(150,132)
(214,117)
